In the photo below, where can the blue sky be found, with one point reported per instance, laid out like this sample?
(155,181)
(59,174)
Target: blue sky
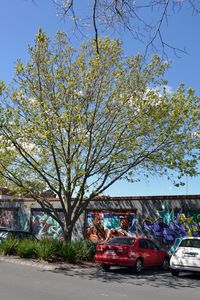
(19,22)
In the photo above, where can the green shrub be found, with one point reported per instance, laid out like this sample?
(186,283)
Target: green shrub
(76,252)
(49,249)
(27,248)
(69,252)
(9,246)
(89,248)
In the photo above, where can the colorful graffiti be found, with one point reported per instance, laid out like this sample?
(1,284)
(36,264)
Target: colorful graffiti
(24,214)
(15,218)
(101,226)
(42,225)
(171,226)
(9,218)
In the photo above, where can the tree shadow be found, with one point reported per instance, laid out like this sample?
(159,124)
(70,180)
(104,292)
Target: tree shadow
(151,277)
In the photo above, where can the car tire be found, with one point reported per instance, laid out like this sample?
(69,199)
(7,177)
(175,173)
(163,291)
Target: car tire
(165,264)
(175,272)
(138,265)
(105,267)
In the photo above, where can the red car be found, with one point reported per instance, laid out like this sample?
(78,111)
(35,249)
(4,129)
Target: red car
(136,252)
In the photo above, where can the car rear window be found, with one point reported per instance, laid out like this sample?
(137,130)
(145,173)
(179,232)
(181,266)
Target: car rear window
(194,243)
(121,241)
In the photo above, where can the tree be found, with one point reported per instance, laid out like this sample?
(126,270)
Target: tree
(75,122)
(145,20)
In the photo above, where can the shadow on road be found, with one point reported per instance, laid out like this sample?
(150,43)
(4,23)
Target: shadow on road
(154,277)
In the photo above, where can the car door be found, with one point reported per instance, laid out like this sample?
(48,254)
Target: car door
(145,252)
(189,253)
(155,254)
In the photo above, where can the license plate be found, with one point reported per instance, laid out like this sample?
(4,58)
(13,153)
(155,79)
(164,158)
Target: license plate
(110,251)
(190,254)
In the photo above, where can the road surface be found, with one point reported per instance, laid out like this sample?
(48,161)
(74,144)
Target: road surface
(22,282)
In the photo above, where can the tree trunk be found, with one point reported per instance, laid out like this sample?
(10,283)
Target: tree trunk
(67,234)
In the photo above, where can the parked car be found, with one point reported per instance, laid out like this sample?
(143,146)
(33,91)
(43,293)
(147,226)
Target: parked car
(136,252)
(186,257)
(175,246)
(6,233)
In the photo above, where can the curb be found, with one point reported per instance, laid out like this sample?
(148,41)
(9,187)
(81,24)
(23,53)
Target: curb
(44,265)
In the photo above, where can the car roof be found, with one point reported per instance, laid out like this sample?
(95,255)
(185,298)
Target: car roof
(140,237)
(8,229)
(4,228)
(14,230)
(133,237)
(191,238)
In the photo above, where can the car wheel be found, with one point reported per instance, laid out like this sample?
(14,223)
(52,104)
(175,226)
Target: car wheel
(165,264)
(175,272)
(138,265)
(105,267)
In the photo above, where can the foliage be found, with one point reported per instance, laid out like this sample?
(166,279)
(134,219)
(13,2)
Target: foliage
(9,246)
(88,251)
(49,250)
(75,122)
(76,252)
(71,252)
(26,248)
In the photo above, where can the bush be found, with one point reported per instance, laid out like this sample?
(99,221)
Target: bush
(69,252)
(9,246)
(76,252)
(26,248)
(49,249)
(88,250)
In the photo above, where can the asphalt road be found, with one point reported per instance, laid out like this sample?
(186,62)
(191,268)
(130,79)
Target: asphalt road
(22,282)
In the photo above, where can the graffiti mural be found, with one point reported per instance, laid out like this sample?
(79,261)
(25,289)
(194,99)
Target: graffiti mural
(9,218)
(101,226)
(42,225)
(24,219)
(171,226)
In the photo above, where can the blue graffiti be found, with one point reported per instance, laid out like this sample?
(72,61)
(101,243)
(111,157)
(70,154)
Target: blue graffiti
(170,226)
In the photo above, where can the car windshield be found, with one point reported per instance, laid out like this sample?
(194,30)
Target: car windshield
(3,234)
(16,234)
(121,241)
(194,243)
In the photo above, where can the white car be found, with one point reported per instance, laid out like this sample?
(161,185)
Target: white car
(186,257)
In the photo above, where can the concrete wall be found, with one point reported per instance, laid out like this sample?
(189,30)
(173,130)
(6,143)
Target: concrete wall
(14,214)
(165,218)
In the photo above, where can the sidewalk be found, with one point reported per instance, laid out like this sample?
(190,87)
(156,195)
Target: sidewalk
(44,265)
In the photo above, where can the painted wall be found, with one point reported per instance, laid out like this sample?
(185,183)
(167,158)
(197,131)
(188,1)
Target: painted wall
(9,218)
(166,219)
(103,225)
(16,218)
(171,225)
(43,225)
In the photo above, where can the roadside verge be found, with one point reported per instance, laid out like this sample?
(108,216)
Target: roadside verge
(46,265)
